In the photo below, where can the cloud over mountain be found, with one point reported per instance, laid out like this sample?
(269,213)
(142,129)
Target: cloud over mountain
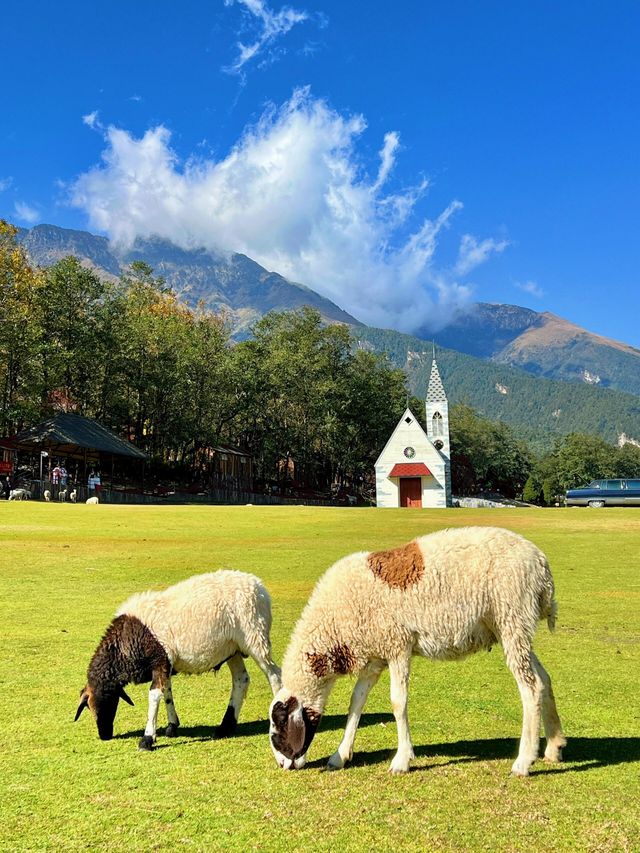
(292,194)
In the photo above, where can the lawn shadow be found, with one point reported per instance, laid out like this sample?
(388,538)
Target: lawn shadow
(581,753)
(257,727)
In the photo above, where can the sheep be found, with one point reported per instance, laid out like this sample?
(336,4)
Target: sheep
(62,495)
(93,500)
(19,495)
(442,596)
(195,626)
(73,496)
(47,495)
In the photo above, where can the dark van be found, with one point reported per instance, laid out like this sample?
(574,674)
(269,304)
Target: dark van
(606,493)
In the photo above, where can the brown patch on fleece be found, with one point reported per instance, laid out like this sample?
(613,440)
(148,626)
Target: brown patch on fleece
(339,660)
(318,664)
(401,567)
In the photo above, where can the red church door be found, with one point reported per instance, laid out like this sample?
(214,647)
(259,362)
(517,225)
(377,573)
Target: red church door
(411,492)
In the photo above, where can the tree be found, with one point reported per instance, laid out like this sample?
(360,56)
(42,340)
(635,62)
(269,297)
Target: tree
(21,325)
(486,455)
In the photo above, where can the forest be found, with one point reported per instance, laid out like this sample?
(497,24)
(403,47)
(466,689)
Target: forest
(306,399)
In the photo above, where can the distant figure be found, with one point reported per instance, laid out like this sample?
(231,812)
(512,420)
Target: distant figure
(91,483)
(55,475)
(63,476)
(7,486)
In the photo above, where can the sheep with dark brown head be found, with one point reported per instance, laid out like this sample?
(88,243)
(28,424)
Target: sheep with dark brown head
(193,627)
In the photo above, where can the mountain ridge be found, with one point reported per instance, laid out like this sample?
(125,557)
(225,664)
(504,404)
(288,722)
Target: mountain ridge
(505,360)
(232,282)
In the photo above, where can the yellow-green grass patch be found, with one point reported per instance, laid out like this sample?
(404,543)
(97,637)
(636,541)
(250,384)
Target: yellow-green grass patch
(63,571)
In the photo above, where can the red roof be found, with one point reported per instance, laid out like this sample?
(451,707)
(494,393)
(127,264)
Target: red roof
(410,469)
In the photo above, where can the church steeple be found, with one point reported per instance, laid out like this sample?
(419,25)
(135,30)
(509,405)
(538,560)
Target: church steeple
(437,411)
(435,389)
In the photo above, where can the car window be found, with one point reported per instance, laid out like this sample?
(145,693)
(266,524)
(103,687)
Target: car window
(633,484)
(596,484)
(614,484)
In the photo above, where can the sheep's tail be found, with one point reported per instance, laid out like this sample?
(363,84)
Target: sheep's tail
(548,604)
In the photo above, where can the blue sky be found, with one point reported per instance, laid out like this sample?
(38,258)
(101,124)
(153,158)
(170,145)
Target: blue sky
(402,161)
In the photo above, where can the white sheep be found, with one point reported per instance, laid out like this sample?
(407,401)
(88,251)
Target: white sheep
(442,596)
(47,495)
(19,495)
(194,626)
(62,495)
(73,496)
(94,500)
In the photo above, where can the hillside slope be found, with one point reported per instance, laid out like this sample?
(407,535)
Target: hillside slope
(232,283)
(543,344)
(540,408)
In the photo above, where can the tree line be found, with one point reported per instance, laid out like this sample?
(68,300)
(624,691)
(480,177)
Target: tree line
(129,353)
(298,395)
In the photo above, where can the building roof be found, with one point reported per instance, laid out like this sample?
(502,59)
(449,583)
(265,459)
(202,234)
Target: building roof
(410,469)
(435,388)
(68,433)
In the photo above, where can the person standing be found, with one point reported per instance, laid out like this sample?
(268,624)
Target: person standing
(55,480)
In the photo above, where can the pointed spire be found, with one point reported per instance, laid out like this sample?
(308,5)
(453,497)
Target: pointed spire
(435,389)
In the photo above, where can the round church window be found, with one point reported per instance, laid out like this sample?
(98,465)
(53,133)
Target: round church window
(409,452)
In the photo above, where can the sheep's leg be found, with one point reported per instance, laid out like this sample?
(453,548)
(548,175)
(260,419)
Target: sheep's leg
(531,690)
(155,695)
(239,687)
(367,680)
(399,676)
(269,668)
(556,740)
(172,715)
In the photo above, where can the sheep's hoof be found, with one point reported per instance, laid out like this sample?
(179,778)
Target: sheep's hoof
(146,743)
(520,769)
(171,730)
(335,762)
(229,723)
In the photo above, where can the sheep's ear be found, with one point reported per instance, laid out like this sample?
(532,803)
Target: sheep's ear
(124,696)
(280,715)
(84,701)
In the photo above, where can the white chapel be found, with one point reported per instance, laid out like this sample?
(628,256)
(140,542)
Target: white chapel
(414,469)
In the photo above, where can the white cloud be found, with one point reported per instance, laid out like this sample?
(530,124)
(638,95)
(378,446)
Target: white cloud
(531,287)
(26,213)
(91,120)
(472,252)
(292,194)
(5,183)
(272,25)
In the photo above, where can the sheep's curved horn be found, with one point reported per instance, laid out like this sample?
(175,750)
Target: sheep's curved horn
(124,696)
(84,701)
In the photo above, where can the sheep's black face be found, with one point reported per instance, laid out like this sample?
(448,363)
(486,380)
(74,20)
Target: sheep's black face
(292,727)
(103,704)
(106,706)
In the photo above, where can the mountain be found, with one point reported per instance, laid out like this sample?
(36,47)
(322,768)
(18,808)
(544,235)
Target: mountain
(544,345)
(232,283)
(487,357)
(539,408)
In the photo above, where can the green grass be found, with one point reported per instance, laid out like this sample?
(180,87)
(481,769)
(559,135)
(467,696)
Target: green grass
(64,570)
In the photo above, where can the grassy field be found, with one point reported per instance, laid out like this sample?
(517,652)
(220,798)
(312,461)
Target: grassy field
(63,571)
